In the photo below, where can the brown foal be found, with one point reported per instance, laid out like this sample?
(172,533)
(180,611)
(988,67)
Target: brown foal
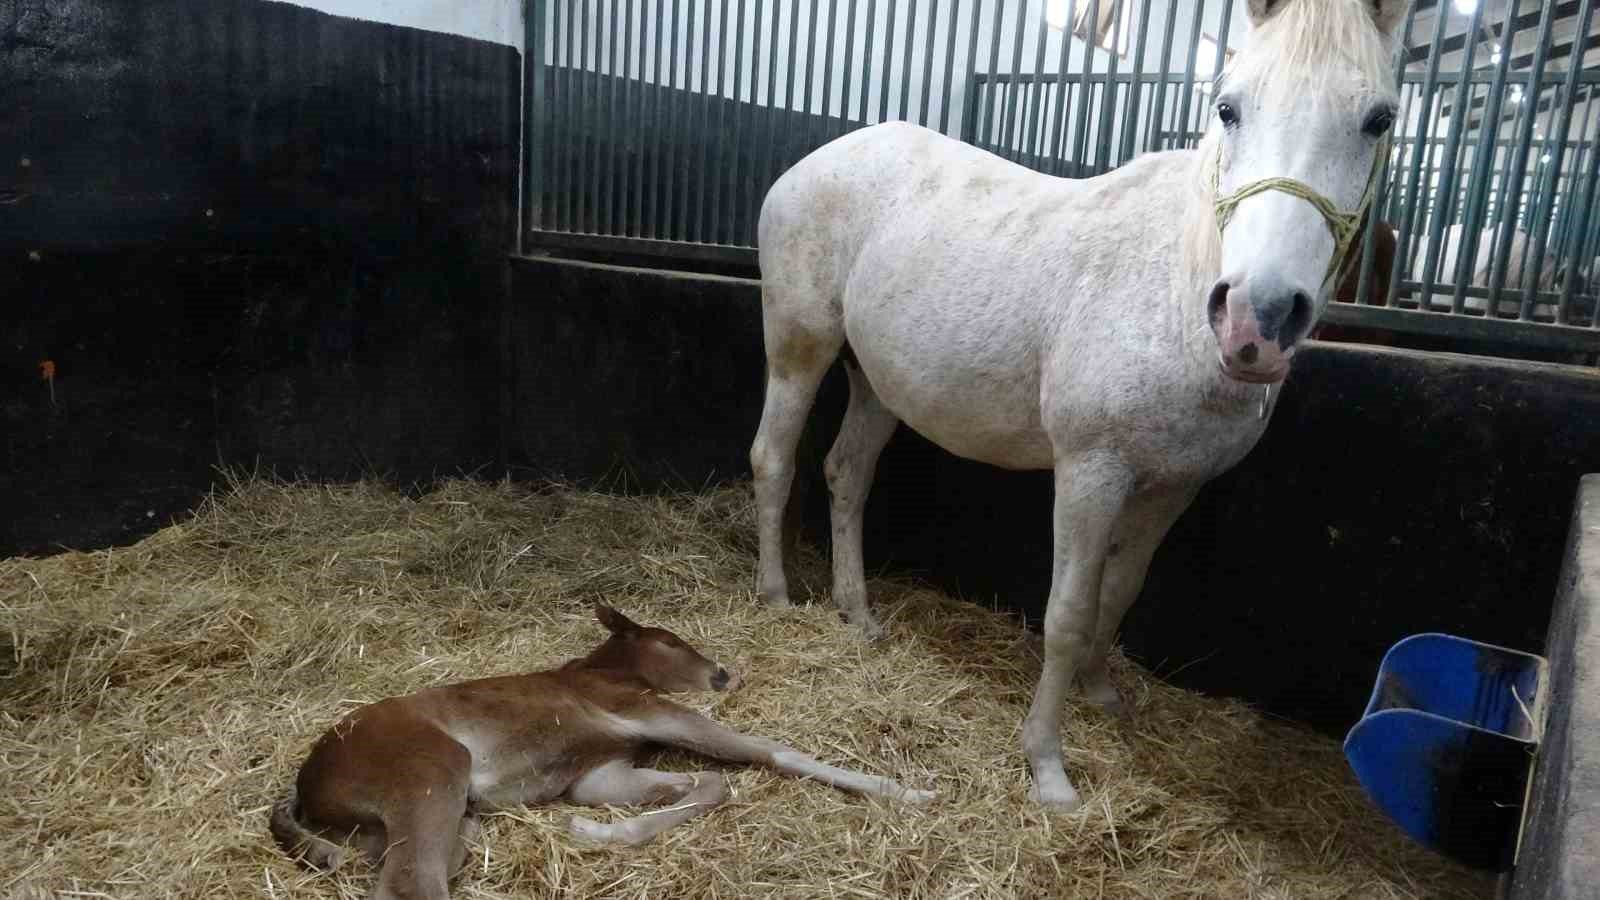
(407,776)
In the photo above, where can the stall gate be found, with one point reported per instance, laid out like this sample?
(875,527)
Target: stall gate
(656,126)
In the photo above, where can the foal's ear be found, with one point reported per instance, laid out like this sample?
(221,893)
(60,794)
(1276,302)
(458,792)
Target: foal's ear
(615,622)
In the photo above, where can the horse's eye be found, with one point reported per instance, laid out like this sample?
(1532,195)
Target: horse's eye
(1227,114)
(1378,123)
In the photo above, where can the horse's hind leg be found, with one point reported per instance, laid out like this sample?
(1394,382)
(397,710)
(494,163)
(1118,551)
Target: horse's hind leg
(850,466)
(798,355)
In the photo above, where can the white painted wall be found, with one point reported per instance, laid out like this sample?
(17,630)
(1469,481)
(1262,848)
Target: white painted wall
(489,20)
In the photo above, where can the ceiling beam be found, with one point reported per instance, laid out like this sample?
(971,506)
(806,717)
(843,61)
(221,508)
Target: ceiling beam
(1455,42)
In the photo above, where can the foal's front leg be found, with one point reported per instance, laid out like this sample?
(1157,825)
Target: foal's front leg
(679,727)
(1090,493)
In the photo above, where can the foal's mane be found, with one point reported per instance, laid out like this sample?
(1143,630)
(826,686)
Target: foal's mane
(1301,46)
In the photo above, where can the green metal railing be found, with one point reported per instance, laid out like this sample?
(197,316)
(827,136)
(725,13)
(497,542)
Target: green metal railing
(656,126)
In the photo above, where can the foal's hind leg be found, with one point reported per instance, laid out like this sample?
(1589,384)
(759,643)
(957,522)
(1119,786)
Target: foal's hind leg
(799,352)
(850,466)
(620,784)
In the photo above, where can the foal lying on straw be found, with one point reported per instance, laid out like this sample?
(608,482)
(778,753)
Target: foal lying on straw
(407,776)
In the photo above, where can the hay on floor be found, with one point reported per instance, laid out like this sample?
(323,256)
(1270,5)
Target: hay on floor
(158,698)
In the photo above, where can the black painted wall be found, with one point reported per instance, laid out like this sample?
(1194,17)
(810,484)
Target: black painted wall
(248,233)
(1395,491)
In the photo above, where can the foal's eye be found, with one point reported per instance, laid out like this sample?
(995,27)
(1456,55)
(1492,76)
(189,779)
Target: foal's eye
(1378,123)
(1227,114)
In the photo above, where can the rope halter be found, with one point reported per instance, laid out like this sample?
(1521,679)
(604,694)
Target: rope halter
(1342,225)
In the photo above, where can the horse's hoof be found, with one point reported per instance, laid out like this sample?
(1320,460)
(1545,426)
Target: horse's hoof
(776,599)
(916,797)
(870,630)
(1055,801)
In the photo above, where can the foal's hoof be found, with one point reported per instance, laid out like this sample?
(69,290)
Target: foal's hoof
(916,797)
(1061,801)
(587,829)
(775,599)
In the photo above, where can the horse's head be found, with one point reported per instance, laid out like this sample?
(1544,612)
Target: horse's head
(1301,119)
(656,656)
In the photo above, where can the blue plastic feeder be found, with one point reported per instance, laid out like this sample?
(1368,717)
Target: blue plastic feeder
(1447,743)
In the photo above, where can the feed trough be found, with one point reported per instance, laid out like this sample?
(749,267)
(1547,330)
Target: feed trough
(1447,744)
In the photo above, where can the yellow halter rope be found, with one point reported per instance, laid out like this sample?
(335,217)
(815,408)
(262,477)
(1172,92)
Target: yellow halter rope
(1342,225)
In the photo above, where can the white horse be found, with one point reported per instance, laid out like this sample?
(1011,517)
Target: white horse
(1124,330)
(1488,244)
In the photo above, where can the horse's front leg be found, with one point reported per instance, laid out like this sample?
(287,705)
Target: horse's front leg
(1144,523)
(1091,491)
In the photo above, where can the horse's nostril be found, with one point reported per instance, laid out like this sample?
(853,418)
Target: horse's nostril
(1217,303)
(720,680)
(1248,354)
(1299,320)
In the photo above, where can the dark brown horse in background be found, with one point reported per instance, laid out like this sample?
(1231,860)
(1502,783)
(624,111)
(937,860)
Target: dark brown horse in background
(1383,250)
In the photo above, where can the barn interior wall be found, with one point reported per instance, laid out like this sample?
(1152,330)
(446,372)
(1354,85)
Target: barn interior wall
(242,232)
(1395,492)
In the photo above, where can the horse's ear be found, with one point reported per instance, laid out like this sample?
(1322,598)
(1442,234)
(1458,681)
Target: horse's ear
(1388,15)
(615,622)
(1259,11)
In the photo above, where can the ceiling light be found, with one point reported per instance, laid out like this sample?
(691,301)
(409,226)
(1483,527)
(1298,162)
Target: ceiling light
(1055,14)
(1466,7)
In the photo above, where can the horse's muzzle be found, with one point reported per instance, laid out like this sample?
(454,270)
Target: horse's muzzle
(1257,324)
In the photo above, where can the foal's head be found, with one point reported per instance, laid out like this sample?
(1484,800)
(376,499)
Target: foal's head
(656,656)
(1300,118)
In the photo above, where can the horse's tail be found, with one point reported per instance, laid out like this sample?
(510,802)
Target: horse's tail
(297,840)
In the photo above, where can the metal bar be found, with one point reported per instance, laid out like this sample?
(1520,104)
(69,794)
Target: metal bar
(1130,124)
(849,64)
(1188,69)
(788,91)
(827,80)
(888,62)
(764,170)
(1575,208)
(537,131)
(606,218)
(666,228)
(1447,184)
(1402,239)
(652,211)
(927,63)
(1481,180)
(866,61)
(703,137)
(1562,129)
(585,142)
(716,144)
(1108,97)
(1497,277)
(970,89)
(1505,331)
(949,67)
(905,63)
(1012,97)
(1159,109)
(630,118)
(666,250)
(811,53)
(561,142)
(750,186)
(994,63)
(736,190)
(1063,88)
(684,217)
(1080,142)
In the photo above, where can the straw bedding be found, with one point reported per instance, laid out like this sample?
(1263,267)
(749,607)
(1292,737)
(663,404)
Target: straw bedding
(156,699)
